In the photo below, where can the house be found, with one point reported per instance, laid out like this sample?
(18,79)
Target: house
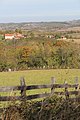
(9,36)
(18,36)
(13,36)
(50,36)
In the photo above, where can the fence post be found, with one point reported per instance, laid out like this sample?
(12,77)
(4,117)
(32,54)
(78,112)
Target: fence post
(76,82)
(77,87)
(52,87)
(23,89)
(66,90)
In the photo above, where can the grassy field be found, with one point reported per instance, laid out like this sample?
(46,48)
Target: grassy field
(38,77)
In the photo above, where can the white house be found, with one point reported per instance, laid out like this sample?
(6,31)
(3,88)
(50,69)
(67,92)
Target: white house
(12,36)
(9,36)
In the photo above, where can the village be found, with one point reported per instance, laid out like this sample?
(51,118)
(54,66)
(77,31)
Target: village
(11,36)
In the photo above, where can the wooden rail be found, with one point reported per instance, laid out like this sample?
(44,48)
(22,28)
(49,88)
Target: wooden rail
(23,88)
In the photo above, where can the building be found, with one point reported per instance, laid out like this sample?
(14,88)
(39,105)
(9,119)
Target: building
(9,36)
(18,36)
(13,36)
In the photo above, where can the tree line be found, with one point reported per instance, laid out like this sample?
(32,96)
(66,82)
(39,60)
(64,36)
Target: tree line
(38,54)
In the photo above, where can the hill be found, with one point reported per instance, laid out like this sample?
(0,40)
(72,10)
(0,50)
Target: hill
(48,26)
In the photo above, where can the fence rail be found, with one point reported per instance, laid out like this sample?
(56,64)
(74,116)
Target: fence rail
(23,88)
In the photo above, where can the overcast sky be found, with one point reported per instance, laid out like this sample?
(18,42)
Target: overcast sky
(39,10)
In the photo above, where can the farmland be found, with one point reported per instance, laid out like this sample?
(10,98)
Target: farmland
(38,76)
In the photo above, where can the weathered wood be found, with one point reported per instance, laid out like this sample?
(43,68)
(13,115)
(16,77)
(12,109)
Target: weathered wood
(15,88)
(38,87)
(37,96)
(52,87)
(76,83)
(64,85)
(69,92)
(66,90)
(9,88)
(9,98)
(12,98)
(77,88)
(23,88)
(30,87)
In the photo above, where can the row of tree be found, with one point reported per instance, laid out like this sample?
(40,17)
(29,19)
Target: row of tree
(37,54)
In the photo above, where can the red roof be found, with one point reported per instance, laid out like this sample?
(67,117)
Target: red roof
(9,34)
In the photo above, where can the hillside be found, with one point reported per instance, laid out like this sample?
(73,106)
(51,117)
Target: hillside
(48,26)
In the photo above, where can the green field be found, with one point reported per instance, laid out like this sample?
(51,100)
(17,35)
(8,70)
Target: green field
(39,77)
(36,77)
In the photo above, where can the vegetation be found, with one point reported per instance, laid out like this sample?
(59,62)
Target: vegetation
(39,76)
(51,108)
(40,53)
(43,46)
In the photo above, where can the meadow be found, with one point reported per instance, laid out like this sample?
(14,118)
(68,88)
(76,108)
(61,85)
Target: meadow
(37,77)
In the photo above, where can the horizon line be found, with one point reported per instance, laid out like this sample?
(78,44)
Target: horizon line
(39,21)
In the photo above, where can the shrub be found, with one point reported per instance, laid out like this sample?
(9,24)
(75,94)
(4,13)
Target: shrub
(51,108)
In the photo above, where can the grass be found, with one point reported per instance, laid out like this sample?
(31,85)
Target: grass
(38,76)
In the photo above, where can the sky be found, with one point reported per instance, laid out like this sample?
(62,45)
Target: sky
(39,10)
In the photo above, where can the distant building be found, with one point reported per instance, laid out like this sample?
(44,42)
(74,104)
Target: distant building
(13,36)
(9,36)
(18,36)
(50,36)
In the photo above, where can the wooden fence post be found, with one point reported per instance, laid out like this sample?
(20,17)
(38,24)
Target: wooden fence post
(76,82)
(23,88)
(66,90)
(52,87)
(77,87)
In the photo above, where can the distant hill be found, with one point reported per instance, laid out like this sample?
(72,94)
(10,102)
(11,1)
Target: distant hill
(74,23)
(40,25)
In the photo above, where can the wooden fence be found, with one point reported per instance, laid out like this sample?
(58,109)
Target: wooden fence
(53,87)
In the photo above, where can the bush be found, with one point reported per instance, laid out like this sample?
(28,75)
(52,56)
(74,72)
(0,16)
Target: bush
(51,108)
